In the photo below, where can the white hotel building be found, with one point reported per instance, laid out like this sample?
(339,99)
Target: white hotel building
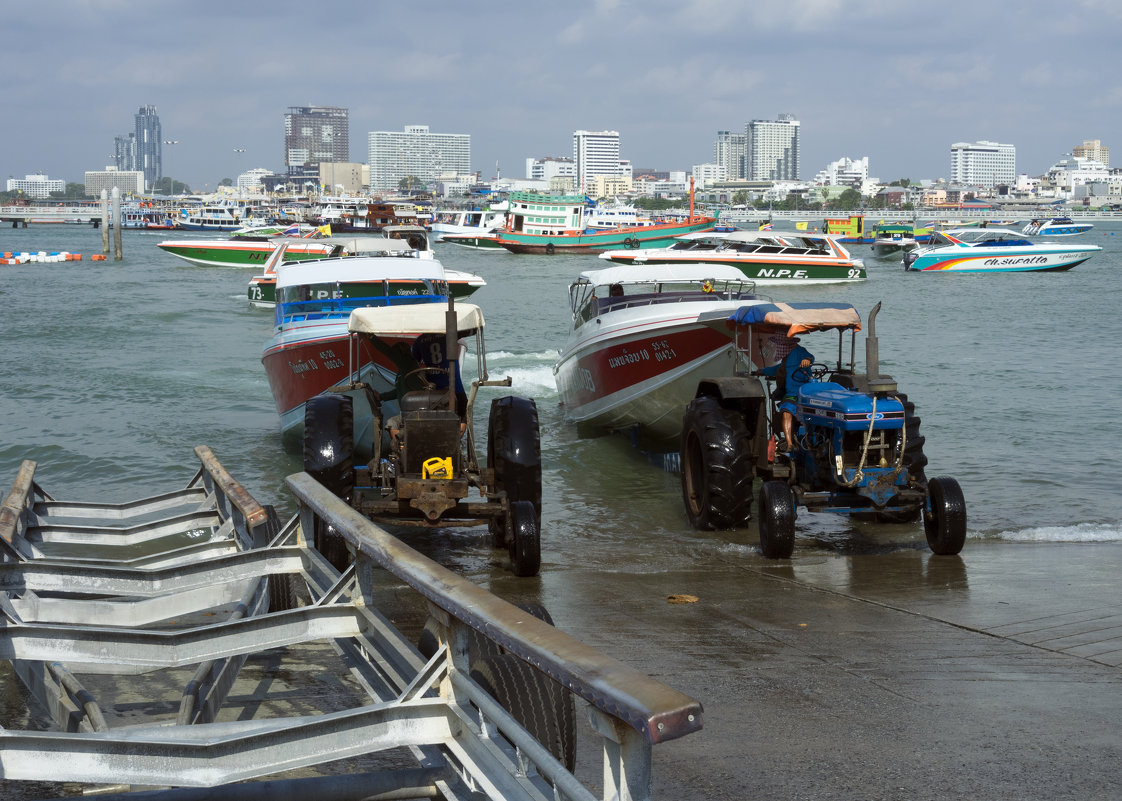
(416,152)
(983,163)
(595,153)
(37,186)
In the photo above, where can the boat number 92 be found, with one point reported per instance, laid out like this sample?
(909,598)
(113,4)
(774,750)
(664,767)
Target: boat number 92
(854,273)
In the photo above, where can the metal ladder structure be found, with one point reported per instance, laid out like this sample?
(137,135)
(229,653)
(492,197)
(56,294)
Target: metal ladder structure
(186,587)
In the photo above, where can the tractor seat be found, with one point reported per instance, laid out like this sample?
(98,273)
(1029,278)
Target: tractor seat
(420,400)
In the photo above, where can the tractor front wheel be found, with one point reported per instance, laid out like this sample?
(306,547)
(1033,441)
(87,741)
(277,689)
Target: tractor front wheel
(944,516)
(777,520)
(525,547)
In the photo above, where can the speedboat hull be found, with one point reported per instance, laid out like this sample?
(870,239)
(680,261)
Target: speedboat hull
(641,374)
(236,253)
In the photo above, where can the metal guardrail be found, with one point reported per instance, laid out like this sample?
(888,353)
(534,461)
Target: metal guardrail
(76,628)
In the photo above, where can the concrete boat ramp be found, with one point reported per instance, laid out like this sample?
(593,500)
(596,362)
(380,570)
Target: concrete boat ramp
(190,646)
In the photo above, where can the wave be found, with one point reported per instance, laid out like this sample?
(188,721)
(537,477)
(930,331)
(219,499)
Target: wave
(531,373)
(1080,532)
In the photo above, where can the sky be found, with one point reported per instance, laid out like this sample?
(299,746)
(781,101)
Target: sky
(898,82)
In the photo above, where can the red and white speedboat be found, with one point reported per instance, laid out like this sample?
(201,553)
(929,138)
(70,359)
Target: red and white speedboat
(307,354)
(640,343)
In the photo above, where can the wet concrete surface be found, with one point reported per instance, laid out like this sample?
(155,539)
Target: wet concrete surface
(889,675)
(896,675)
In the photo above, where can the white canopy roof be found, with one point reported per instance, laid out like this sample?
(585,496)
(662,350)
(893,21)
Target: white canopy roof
(663,273)
(414,318)
(355,269)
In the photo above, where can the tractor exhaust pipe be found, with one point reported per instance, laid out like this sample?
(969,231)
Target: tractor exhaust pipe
(872,346)
(878,384)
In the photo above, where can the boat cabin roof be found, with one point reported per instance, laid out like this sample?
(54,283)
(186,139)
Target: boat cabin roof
(976,236)
(799,318)
(357,269)
(417,318)
(662,273)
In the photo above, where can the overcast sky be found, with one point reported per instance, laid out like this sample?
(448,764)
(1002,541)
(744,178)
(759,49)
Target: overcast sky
(898,82)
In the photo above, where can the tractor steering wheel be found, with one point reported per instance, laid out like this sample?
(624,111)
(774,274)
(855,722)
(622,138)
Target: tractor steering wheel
(818,370)
(421,371)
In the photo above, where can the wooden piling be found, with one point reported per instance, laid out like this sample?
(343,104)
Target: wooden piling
(117,226)
(104,222)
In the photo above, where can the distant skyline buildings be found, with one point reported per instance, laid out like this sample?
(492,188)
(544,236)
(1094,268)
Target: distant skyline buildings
(773,149)
(148,145)
(418,153)
(1092,149)
(731,152)
(314,135)
(983,163)
(595,153)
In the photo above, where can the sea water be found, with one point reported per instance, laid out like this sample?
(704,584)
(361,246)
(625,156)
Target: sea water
(111,372)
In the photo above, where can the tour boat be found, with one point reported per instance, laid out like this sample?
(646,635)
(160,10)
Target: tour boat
(639,344)
(763,257)
(986,250)
(308,351)
(559,224)
(1056,226)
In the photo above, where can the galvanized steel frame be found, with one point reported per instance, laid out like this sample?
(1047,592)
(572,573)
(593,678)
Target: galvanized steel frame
(463,741)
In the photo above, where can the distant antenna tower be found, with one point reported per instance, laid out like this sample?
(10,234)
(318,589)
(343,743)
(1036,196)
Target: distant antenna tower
(498,172)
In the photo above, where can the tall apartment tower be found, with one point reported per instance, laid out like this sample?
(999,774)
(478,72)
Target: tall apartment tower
(773,149)
(731,152)
(415,152)
(315,134)
(124,152)
(148,144)
(983,163)
(594,153)
(1092,149)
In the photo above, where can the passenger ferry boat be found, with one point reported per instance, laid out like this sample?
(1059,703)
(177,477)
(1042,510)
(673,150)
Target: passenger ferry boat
(559,224)
(471,228)
(213,217)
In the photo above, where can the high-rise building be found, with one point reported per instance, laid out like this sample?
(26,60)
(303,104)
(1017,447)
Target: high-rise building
(595,153)
(124,152)
(148,144)
(731,152)
(1092,149)
(415,153)
(983,163)
(315,134)
(773,149)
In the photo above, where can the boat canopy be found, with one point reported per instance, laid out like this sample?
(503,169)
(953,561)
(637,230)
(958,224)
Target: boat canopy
(417,318)
(662,273)
(358,269)
(799,318)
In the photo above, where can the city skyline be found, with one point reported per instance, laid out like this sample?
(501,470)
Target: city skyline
(865,79)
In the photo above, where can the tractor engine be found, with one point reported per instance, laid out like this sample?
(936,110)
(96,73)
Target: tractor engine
(835,423)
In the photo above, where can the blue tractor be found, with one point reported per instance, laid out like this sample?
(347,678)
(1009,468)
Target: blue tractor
(857,447)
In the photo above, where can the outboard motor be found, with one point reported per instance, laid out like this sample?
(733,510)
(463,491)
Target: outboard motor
(909,258)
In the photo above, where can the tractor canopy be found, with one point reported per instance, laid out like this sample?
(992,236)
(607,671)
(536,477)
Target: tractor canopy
(798,318)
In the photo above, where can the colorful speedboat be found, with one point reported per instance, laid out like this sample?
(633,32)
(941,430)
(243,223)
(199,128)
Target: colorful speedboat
(989,250)
(559,224)
(639,343)
(247,252)
(763,257)
(1056,226)
(308,351)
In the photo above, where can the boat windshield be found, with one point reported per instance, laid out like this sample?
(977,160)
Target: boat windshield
(590,300)
(336,300)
